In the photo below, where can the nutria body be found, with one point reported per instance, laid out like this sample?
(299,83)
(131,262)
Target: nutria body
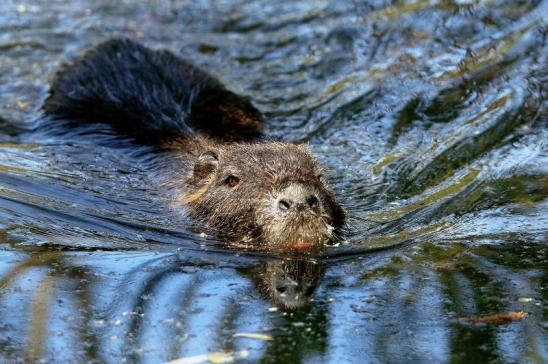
(265,194)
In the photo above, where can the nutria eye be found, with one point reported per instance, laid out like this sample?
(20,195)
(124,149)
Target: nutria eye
(232,181)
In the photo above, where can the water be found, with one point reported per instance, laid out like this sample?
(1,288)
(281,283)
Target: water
(430,117)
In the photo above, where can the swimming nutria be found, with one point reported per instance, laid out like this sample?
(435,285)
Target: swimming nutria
(266,194)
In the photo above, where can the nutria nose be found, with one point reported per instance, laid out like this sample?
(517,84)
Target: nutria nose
(292,199)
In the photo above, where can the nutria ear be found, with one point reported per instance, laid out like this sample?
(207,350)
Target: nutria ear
(206,163)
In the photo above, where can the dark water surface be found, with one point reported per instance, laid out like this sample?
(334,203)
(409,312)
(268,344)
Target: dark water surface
(430,117)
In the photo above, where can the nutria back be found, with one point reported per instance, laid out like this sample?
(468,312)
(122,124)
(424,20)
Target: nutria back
(150,95)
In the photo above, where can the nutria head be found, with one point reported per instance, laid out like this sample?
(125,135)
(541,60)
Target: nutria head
(269,196)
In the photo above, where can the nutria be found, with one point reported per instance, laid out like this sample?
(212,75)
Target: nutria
(251,191)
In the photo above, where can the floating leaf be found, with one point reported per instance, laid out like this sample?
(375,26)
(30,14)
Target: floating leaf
(498,319)
(251,335)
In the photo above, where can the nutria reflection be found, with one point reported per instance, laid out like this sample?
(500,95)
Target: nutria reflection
(288,283)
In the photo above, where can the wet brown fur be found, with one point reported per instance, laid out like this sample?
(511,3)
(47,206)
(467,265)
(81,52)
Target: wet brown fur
(165,102)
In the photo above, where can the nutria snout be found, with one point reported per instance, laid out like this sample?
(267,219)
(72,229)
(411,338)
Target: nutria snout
(298,197)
